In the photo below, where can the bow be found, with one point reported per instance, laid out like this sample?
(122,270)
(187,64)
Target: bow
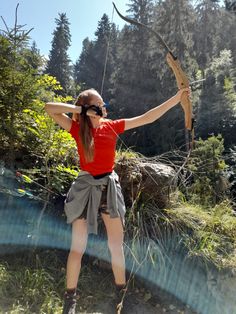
(173,62)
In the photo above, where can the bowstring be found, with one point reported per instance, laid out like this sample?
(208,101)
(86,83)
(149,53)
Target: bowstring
(107,54)
(130,150)
(123,143)
(101,92)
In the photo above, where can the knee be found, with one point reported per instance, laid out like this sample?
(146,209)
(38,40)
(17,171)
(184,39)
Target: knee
(77,253)
(115,246)
(79,237)
(78,246)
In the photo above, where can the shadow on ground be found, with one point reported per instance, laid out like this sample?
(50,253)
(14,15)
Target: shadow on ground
(139,300)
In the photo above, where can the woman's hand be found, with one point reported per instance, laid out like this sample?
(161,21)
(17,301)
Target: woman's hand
(79,109)
(181,91)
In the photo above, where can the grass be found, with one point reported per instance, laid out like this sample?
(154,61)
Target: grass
(30,290)
(27,286)
(209,233)
(36,283)
(127,154)
(36,288)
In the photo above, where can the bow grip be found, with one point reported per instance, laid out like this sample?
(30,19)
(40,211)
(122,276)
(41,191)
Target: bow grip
(182,82)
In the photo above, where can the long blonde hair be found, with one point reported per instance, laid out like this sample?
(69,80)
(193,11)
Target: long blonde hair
(85,130)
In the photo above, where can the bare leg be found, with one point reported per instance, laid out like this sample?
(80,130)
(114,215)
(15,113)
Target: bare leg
(78,246)
(115,235)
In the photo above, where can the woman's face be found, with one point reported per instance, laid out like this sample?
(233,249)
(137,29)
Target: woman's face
(98,101)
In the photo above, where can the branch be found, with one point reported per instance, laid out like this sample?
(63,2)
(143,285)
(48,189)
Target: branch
(16,15)
(5,24)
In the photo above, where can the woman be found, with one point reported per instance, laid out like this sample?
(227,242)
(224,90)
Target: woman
(97,188)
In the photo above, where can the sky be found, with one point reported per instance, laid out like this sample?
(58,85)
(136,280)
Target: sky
(40,15)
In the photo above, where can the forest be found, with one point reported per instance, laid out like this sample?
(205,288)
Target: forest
(128,68)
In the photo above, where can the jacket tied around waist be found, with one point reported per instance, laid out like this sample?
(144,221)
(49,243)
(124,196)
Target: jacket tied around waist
(87,191)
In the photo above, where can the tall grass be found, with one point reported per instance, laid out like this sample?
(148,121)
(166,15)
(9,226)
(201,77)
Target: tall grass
(209,233)
(31,286)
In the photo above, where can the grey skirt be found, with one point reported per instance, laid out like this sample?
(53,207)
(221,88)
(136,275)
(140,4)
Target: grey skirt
(85,195)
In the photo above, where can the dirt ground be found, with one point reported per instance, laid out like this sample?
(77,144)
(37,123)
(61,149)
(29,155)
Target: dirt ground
(96,296)
(138,301)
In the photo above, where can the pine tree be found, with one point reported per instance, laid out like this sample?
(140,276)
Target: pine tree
(89,68)
(135,85)
(18,87)
(59,62)
(207,30)
(227,31)
(218,102)
(83,69)
(174,21)
(34,57)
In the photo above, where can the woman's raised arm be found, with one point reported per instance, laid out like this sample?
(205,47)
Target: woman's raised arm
(58,113)
(155,113)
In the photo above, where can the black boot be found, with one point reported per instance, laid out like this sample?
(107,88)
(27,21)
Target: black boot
(69,302)
(121,291)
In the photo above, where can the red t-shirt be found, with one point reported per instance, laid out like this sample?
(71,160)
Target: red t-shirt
(105,137)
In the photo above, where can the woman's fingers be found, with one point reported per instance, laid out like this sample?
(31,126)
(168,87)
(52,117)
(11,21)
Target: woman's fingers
(185,90)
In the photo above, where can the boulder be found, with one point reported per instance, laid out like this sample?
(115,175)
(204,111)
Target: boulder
(144,181)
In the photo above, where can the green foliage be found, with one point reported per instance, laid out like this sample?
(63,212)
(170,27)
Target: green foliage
(25,124)
(18,88)
(55,179)
(49,83)
(207,167)
(136,80)
(48,145)
(61,177)
(217,103)
(50,142)
(31,289)
(126,154)
(210,234)
(52,146)
(35,283)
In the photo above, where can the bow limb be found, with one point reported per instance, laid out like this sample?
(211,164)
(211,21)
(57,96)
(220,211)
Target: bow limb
(181,78)
(139,24)
(182,82)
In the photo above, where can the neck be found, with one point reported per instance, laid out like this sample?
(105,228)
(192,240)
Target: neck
(96,121)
